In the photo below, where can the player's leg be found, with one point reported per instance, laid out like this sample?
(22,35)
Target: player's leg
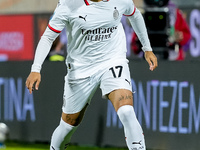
(122,101)
(68,125)
(77,96)
(116,85)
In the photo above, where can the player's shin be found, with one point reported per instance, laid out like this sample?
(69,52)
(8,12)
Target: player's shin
(133,131)
(62,136)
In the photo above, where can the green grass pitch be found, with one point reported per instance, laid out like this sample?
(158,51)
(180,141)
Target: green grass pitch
(30,146)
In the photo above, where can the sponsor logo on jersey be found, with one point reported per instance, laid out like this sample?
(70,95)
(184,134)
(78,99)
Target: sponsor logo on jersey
(84,18)
(98,34)
(99,30)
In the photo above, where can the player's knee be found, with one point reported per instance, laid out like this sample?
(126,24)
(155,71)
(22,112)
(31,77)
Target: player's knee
(72,119)
(124,112)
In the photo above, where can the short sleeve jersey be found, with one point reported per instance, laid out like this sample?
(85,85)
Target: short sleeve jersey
(95,34)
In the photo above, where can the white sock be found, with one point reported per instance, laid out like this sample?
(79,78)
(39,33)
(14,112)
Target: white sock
(132,129)
(62,136)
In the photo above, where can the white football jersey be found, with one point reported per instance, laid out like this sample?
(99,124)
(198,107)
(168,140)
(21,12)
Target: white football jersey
(95,34)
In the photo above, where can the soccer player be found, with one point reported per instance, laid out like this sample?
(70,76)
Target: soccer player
(96,58)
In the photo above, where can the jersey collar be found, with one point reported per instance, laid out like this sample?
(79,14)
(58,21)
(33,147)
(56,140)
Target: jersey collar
(88,2)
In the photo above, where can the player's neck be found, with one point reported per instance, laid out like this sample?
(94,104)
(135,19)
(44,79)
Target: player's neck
(96,0)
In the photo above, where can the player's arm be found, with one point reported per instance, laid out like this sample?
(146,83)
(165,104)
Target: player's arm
(138,24)
(42,51)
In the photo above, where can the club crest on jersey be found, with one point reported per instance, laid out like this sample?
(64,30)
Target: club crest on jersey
(115,13)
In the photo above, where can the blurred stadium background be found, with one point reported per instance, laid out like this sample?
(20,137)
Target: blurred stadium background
(167,101)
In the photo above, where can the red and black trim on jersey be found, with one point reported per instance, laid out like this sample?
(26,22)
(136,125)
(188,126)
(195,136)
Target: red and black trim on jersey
(132,13)
(87,3)
(54,30)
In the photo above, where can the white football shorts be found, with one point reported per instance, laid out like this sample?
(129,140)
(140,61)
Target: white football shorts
(79,92)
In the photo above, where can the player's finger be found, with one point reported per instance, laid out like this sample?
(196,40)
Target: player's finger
(37,84)
(153,64)
(156,64)
(151,67)
(29,86)
(150,64)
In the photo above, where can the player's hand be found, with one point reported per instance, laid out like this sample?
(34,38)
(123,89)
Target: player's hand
(151,59)
(33,81)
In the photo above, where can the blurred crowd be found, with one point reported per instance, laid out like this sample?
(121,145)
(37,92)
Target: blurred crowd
(178,36)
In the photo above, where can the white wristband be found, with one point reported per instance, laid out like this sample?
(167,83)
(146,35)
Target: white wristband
(36,68)
(146,49)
